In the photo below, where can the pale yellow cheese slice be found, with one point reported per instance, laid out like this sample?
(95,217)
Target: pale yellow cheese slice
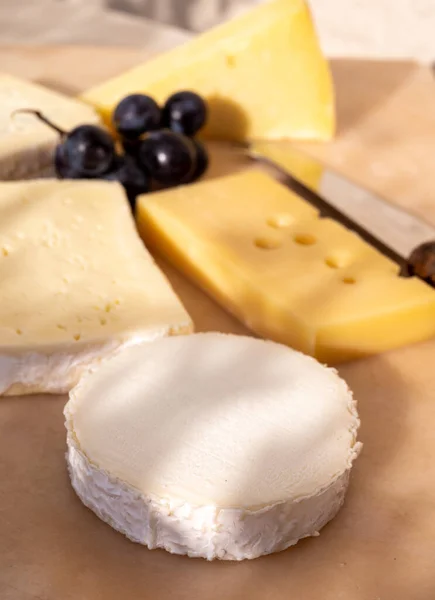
(26,144)
(263,75)
(76,283)
(266,256)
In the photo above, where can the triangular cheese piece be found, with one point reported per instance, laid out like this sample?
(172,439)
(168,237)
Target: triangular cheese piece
(263,75)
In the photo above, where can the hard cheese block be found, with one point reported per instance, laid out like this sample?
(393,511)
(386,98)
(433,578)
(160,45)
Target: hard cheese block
(26,144)
(285,157)
(212,445)
(266,256)
(262,74)
(77,283)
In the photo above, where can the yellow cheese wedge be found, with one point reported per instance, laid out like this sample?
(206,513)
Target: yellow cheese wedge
(267,257)
(263,75)
(293,161)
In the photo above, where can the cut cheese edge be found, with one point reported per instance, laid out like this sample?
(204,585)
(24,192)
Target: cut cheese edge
(77,283)
(26,144)
(284,156)
(263,75)
(266,256)
(212,445)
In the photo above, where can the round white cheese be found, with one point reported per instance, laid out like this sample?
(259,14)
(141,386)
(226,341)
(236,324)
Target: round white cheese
(212,445)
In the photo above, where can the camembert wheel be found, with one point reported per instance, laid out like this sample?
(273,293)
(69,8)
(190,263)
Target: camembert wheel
(212,445)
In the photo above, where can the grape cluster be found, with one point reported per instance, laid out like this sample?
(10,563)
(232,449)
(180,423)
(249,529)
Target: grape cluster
(158,145)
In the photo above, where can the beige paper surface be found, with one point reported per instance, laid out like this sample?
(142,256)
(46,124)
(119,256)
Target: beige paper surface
(382,544)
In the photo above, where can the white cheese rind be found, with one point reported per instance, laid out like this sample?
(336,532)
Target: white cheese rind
(212,445)
(59,372)
(201,531)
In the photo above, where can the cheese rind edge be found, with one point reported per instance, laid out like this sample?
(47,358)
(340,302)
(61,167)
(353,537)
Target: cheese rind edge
(226,534)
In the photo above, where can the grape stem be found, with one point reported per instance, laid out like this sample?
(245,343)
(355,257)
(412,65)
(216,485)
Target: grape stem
(41,117)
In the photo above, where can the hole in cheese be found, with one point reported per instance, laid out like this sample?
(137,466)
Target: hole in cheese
(5,251)
(231,61)
(280,221)
(332,262)
(18,332)
(305,239)
(349,280)
(77,337)
(103,321)
(267,243)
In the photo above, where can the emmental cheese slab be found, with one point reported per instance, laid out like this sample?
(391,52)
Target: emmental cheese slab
(77,283)
(26,144)
(263,75)
(212,445)
(267,257)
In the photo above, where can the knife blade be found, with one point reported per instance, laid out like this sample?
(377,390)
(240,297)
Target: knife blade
(402,236)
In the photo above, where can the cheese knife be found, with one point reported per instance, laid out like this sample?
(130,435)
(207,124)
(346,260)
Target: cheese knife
(403,237)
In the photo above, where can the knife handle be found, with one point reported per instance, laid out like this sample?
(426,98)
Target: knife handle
(421,262)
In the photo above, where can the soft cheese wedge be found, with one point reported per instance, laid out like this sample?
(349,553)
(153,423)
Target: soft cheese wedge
(267,257)
(26,144)
(212,445)
(263,75)
(76,283)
